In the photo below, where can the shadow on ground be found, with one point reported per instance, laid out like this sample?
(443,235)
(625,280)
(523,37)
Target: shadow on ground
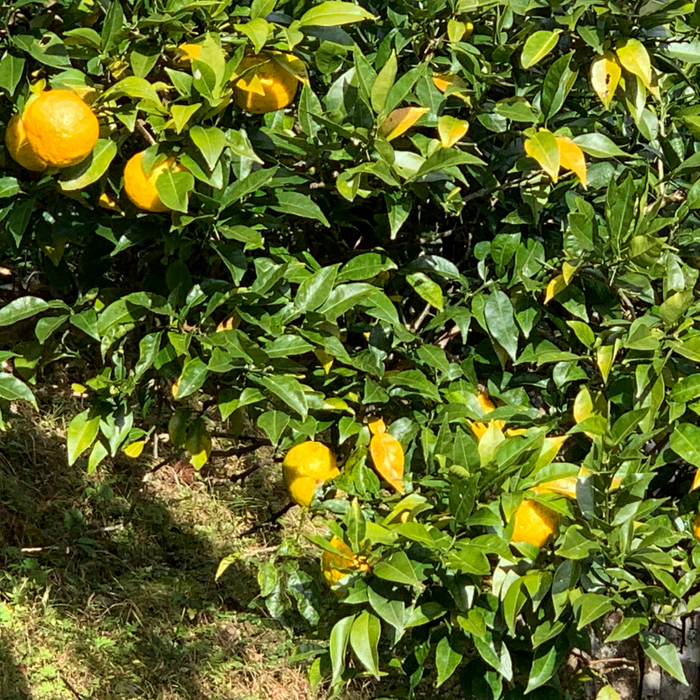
(108,583)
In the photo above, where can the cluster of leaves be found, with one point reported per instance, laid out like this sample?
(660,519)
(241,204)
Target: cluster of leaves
(386,246)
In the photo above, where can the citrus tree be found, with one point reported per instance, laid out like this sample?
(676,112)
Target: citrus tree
(447,248)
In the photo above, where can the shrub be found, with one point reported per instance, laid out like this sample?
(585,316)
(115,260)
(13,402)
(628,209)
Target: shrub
(476,219)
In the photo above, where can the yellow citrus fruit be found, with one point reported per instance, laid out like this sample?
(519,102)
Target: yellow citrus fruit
(141,188)
(336,566)
(696,526)
(19,147)
(305,467)
(264,85)
(534,523)
(60,127)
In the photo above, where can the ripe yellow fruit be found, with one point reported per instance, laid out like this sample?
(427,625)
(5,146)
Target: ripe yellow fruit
(336,566)
(60,128)
(305,467)
(141,188)
(19,147)
(265,86)
(534,523)
(696,526)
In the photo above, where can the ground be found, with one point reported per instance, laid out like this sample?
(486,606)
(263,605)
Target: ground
(107,585)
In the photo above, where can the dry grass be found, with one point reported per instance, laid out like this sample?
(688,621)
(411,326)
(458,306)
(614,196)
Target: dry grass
(107,584)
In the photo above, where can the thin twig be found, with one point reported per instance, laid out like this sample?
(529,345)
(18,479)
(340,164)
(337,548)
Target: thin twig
(272,521)
(447,336)
(419,321)
(141,127)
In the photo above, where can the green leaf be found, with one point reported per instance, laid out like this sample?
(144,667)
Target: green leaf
(132,86)
(364,640)
(257,30)
(299,205)
(664,653)
(383,83)
(364,267)
(340,635)
(446,158)
(619,210)
(557,85)
(397,568)
(591,606)
(391,611)
(82,432)
(19,309)
(495,653)
(447,659)
(344,297)
(334,14)
(608,693)
(193,376)
(500,322)
(13,389)
(685,442)
(426,289)
(11,69)
(253,182)
(290,391)
(538,45)
(357,525)
(174,188)
(181,114)
(627,627)
(315,289)
(687,389)
(543,667)
(91,169)
(210,141)
(274,424)
(599,146)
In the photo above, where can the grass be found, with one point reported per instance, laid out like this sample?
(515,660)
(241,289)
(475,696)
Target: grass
(107,583)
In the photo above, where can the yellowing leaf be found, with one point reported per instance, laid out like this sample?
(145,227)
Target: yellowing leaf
(557,285)
(325,359)
(135,449)
(485,402)
(198,444)
(564,487)
(451,130)
(583,405)
(605,356)
(479,429)
(571,158)
(696,481)
(634,58)
(400,121)
(550,449)
(376,426)
(543,148)
(489,442)
(568,271)
(605,76)
(230,323)
(442,81)
(388,458)
(337,404)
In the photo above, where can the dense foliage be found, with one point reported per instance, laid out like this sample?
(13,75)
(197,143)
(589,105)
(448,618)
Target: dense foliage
(466,196)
